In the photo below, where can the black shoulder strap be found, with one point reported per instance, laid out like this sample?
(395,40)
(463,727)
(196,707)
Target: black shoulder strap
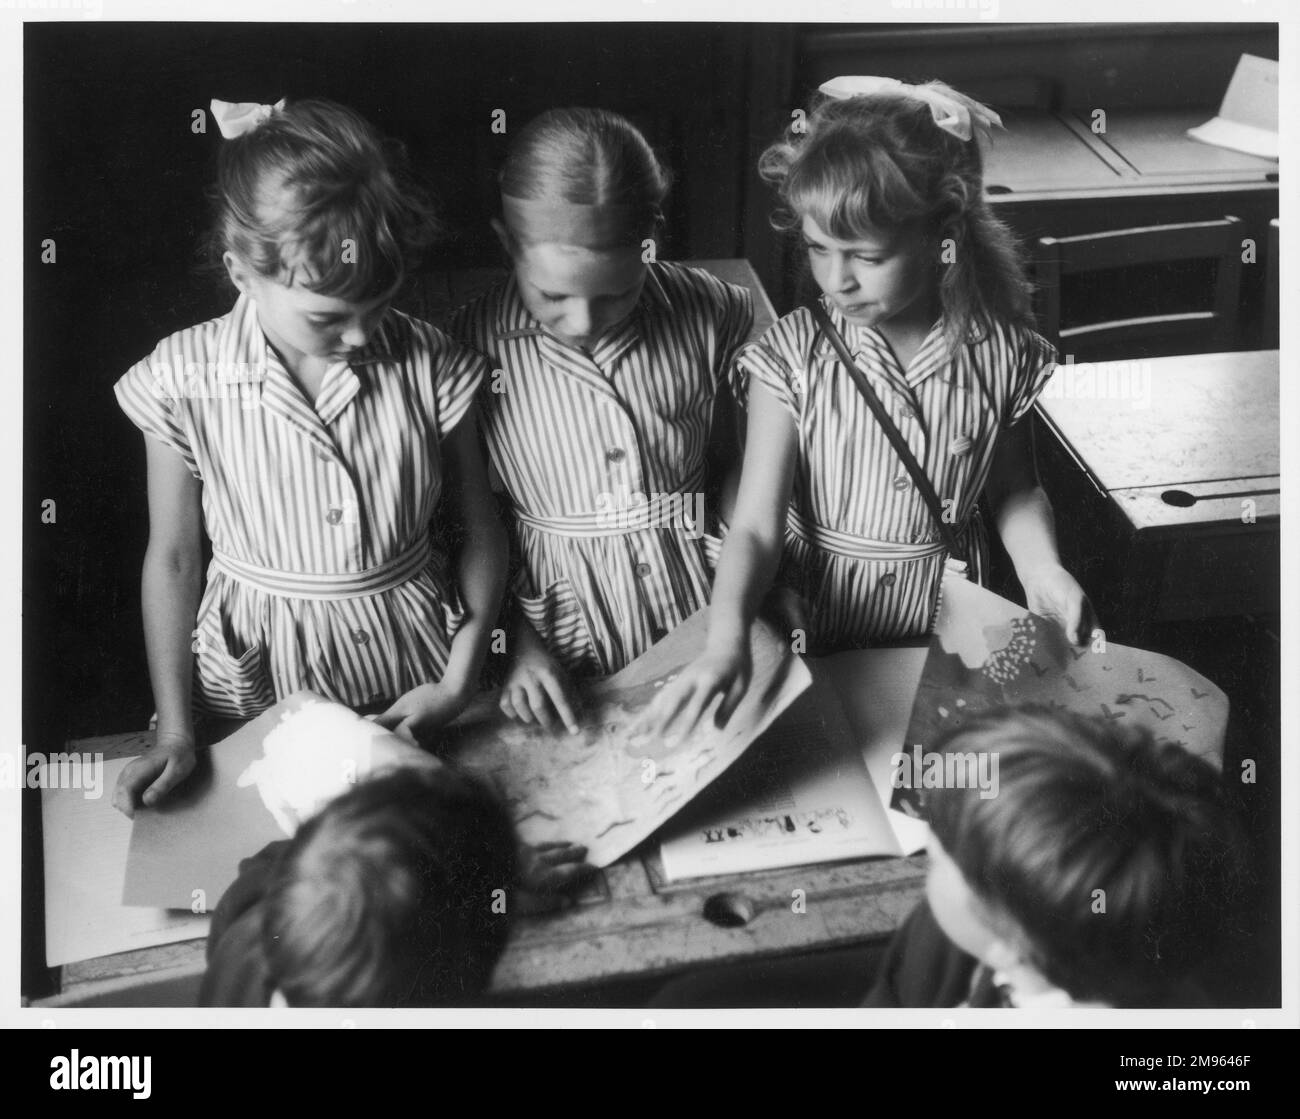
(888,426)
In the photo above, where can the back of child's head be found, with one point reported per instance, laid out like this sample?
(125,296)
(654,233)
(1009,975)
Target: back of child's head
(879,162)
(387,896)
(588,158)
(314,196)
(1117,858)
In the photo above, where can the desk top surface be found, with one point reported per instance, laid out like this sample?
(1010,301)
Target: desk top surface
(1042,152)
(1169,421)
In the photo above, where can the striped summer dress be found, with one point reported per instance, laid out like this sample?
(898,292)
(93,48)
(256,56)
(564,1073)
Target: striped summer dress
(603,459)
(325,574)
(861,545)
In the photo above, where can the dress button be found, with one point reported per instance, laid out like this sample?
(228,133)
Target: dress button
(642,569)
(334,516)
(961,445)
(888,579)
(902,482)
(323,456)
(616,454)
(360,636)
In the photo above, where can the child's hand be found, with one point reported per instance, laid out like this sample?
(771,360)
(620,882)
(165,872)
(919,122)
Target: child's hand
(421,711)
(678,709)
(549,870)
(154,774)
(1052,592)
(537,689)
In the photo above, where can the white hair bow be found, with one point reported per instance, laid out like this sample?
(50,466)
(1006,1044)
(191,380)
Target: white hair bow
(236,118)
(952,111)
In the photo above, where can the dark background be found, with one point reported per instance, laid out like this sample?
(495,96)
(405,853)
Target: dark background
(114,174)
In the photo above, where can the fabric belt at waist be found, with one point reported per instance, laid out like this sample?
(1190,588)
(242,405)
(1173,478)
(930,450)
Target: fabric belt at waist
(350,584)
(858,547)
(679,509)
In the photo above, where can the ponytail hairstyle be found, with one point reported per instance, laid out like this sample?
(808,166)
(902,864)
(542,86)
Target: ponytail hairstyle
(879,161)
(582,158)
(311,182)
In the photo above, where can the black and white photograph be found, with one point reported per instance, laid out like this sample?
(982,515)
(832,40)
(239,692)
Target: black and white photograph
(615,519)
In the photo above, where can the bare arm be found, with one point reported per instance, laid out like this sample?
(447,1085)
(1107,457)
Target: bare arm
(481,564)
(750,556)
(752,551)
(1025,523)
(170,584)
(481,576)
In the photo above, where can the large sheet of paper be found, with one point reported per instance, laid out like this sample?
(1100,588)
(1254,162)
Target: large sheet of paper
(877,688)
(800,795)
(85,844)
(606,790)
(1248,118)
(986,651)
(250,789)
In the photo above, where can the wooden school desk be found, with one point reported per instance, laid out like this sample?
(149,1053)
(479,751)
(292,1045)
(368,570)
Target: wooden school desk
(1050,175)
(1184,451)
(629,925)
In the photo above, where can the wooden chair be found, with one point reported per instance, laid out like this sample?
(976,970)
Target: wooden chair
(1213,329)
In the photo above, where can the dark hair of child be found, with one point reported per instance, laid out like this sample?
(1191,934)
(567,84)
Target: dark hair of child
(315,196)
(1118,857)
(386,897)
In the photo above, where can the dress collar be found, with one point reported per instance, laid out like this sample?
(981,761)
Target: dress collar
(245,357)
(931,358)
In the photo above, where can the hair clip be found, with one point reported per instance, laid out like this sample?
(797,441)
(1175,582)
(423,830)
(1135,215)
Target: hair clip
(238,118)
(954,112)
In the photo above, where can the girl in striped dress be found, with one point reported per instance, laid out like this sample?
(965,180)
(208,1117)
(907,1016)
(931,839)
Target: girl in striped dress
(883,182)
(598,414)
(311,432)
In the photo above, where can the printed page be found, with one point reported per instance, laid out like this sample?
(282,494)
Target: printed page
(801,795)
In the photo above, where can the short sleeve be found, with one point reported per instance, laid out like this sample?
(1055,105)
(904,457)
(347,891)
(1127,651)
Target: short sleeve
(147,394)
(1035,363)
(760,361)
(458,375)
